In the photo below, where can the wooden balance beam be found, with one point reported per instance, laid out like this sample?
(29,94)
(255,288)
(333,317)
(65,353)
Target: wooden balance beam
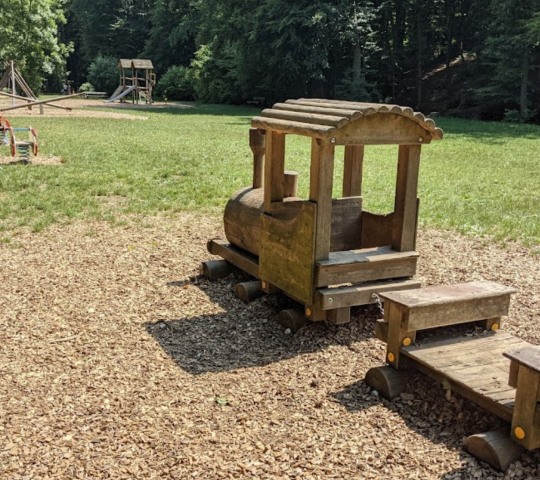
(43,102)
(495,370)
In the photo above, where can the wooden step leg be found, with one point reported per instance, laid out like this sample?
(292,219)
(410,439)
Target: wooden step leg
(216,269)
(249,291)
(495,448)
(292,318)
(339,316)
(388,381)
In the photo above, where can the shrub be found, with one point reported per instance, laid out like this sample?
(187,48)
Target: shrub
(87,87)
(176,84)
(103,73)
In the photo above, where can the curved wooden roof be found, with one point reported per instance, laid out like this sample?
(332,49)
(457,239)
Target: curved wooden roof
(331,119)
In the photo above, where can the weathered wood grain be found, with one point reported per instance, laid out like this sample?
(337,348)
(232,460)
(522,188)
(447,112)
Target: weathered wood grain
(287,252)
(257,144)
(405,213)
(352,170)
(452,304)
(320,192)
(238,257)
(274,174)
(365,265)
(351,295)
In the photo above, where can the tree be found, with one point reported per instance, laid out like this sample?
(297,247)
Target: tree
(509,51)
(171,41)
(29,36)
(118,28)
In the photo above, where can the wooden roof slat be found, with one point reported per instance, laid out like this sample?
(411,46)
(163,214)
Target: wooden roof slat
(303,117)
(367,107)
(350,114)
(286,126)
(319,118)
(142,64)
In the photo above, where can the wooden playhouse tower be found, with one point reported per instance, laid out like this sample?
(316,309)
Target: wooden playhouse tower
(137,78)
(326,253)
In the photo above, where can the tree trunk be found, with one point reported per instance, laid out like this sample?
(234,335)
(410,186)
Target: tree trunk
(419,54)
(357,64)
(524,83)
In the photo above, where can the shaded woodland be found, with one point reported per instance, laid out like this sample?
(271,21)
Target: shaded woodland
(460,57)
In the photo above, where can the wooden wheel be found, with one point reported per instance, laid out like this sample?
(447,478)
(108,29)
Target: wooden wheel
(495,448)
(388,381)
(216,269)
(294,319)
(249,291)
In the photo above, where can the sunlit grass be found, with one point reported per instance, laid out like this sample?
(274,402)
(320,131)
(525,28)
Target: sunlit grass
(481,179)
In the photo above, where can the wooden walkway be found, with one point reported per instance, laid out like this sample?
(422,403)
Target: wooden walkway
(474,366)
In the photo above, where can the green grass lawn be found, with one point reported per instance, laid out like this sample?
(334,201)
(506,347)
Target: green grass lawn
(481,179)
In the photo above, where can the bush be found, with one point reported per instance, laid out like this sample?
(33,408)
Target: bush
(87,87)
(176,84)
(103,74)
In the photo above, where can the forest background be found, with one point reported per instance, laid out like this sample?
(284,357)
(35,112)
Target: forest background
(474,59)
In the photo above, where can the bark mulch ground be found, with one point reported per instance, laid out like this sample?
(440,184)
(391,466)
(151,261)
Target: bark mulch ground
(117,362)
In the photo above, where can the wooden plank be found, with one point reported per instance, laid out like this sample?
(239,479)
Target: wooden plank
(529,357)
(320,192)
(274,169)
(452,304)
(297,128)
(376,229)
(346,227)
(477,367)
(461,350)
(405,214)
(287,252)
(349,296)
(526,418)
(443,294)
(352,170)
(367,265)
(383,129)
(350,114)
(239,258)
(304,117)
(257,145)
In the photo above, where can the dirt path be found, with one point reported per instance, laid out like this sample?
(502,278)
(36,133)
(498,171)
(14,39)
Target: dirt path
(113,364)
(89,108)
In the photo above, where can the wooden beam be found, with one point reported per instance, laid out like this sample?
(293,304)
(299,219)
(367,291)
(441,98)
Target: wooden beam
(320,192)
(274,169)
(257,144)
(526,417)
(352,170)
(26,99)
(42,102)
(404,227)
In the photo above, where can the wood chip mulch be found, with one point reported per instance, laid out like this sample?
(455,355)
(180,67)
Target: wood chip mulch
(118,362)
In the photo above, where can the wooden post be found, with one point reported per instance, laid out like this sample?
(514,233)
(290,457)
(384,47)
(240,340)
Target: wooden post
(256,142)
(352,171)
(290,187)
(320,192)
(404,227)
(13,87)
(274,169)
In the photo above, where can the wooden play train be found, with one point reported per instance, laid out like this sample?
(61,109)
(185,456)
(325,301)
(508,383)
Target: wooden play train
(329,254)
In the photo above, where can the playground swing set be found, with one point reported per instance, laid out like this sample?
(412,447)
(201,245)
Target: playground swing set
(329,255)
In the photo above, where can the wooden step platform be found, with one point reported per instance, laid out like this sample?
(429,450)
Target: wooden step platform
(364,265)
(474,366)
